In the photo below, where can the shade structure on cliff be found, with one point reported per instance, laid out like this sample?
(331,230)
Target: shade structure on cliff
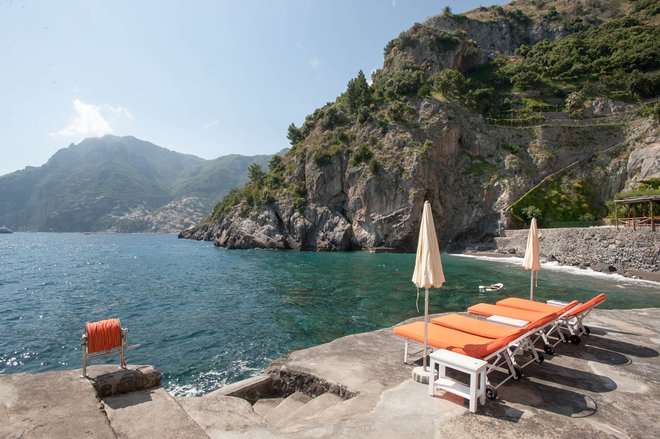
(532,261)
(428,265)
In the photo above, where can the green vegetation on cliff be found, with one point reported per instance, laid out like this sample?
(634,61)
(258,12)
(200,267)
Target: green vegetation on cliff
(515,65)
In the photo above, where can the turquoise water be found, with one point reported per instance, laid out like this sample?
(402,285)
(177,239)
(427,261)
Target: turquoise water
(207,317)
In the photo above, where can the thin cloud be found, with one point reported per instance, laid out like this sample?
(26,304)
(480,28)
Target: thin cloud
(211,123)
(315,62)
(300,46)
(87,122)
(394,3)
(117,111)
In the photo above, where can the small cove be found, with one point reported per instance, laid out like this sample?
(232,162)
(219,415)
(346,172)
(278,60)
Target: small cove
(207,317)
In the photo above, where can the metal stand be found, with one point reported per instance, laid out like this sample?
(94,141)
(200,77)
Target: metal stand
(118,350)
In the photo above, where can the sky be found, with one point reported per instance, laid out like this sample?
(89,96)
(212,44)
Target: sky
(208,78)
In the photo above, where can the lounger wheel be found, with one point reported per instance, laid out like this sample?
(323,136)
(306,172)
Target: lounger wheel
(518,373)
(491,393)
(575,339)
(587,331)
(549,349)
(539,358)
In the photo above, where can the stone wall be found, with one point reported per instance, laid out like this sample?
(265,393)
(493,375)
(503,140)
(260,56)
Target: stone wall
(599,248)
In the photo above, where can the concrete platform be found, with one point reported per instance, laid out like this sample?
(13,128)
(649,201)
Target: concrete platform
(51,405)
(607,386)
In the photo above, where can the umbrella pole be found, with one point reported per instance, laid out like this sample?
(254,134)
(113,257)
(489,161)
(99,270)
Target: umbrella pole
(426,323)
(531,287)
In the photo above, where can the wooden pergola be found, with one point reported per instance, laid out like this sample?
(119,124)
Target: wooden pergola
(639,221)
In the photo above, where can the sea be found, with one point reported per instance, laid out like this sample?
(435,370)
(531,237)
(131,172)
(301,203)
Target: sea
(207,317)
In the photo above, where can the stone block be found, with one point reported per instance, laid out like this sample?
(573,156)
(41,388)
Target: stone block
(109,381)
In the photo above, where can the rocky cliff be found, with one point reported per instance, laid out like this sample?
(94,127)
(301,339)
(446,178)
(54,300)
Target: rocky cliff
(440,123)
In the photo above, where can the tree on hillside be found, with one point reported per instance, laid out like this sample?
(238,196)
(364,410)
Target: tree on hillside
(275,164)
(358,94)
(255,173)
(294,134)
(450,83)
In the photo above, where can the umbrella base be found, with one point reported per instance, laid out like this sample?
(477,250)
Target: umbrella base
(420,375)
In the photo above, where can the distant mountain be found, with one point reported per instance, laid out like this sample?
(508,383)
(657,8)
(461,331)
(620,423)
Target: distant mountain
(118,184)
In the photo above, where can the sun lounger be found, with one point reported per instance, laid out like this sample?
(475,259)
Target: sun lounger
(498,349)
(543,323)
(483,328)
(519,337)
(572,320)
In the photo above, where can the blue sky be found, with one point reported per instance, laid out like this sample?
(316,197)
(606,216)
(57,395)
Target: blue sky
(207,78)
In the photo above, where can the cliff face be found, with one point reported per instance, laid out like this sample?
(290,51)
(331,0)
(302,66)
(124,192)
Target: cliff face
(462,170)
(364,166)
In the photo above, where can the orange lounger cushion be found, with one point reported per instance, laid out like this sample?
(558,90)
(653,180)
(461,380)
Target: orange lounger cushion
(481,328)
(535,318)
(587,305)
(530,305)
(451,339)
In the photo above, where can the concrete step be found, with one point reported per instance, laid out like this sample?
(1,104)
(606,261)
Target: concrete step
(266,405)
(311,409)
(217,413)
(290,404)
(341,410)
(150,413)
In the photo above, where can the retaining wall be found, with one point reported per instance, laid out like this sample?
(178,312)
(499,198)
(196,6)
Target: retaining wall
(600,248)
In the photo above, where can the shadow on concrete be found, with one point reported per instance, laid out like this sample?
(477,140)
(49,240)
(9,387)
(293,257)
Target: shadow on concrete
(542,396)
(128,399)
(594,353)
(604,331)
(499,410)
(605,350)
(578,379)
(619,346)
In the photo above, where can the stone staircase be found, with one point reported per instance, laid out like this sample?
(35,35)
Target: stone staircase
(137,407)
(216,413)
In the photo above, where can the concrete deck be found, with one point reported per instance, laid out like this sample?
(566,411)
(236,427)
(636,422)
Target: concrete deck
(608,386)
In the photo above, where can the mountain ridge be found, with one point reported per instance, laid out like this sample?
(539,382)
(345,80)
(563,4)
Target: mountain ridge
(103,184)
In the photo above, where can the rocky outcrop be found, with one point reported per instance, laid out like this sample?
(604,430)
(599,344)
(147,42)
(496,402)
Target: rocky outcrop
(606,249)
(461,167)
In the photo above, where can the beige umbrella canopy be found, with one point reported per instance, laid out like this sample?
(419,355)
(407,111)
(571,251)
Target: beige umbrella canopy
(532,260)
(428,265)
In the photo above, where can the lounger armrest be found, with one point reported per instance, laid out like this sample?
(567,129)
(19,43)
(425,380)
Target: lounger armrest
(556,302)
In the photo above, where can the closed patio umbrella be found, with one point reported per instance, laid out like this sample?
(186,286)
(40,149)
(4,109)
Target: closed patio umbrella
(428,265)
(532,259)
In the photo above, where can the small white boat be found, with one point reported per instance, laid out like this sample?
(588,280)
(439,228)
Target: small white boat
(489,288)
